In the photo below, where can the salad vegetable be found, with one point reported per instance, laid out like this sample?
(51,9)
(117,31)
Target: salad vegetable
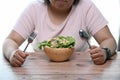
(58,42)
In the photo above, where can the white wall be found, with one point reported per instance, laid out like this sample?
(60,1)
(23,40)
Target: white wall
(11,9)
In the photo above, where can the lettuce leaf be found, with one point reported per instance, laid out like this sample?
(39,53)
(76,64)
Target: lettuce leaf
(58,42)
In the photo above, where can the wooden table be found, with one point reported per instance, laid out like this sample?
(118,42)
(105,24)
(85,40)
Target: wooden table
(79,67)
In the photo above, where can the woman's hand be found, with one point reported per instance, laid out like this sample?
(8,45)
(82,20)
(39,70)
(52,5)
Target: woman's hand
(18,58)
(98,55)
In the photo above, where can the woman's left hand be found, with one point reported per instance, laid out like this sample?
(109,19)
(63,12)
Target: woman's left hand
(98,55)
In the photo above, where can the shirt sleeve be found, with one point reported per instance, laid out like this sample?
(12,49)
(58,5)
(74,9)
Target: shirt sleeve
(25,23)
(95,21)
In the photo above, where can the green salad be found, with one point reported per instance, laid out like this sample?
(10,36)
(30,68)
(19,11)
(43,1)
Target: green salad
(58,42)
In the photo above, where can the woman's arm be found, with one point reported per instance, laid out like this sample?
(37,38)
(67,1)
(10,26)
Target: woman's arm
(11,49)
(105,40)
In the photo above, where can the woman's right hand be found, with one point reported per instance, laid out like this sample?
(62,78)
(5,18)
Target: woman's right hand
(18,58)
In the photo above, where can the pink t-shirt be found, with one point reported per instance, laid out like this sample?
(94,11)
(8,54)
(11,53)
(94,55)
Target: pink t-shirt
(84,15)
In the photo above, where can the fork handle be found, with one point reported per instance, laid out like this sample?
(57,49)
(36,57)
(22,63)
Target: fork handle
(26,47)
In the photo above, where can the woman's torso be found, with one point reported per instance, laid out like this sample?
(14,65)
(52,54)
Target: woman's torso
(76,20)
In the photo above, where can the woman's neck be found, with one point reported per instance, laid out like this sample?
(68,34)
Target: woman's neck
(57,16)
(62,12)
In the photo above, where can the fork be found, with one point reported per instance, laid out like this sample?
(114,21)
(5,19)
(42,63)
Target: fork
(30,39)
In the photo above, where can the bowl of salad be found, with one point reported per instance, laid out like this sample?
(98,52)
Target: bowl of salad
(58,49)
